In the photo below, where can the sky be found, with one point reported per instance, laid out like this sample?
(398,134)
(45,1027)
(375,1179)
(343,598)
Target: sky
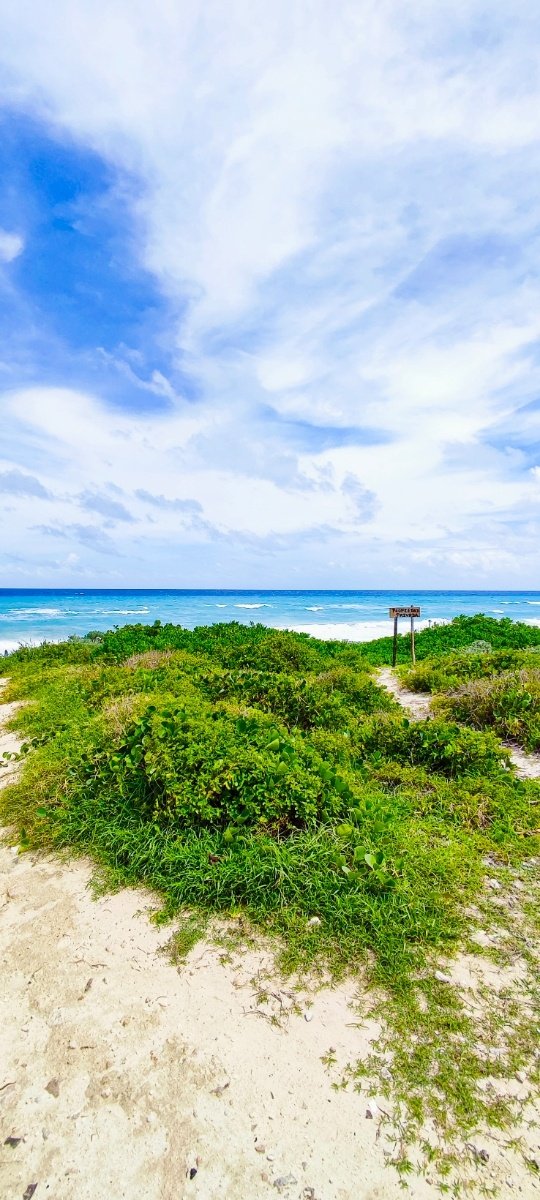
(269,293)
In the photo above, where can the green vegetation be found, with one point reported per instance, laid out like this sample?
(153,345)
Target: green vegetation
(498,690)
(239,768)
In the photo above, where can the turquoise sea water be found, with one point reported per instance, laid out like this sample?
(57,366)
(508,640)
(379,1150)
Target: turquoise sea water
(28,616)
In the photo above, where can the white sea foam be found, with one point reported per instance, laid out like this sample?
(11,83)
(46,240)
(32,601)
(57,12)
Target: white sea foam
(9,645)
(356,631)
(252,605)
(120,612)
(315,608)
(25,614)
(536,602)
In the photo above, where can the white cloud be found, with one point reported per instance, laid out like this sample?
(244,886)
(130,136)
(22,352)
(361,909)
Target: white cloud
(11,245)
(296,167)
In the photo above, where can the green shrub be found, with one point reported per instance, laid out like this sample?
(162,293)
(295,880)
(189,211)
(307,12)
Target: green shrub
(437,745)
(509,703)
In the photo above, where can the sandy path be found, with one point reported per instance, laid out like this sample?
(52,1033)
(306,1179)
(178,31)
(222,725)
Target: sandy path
(417,703)
(418,706)
(121,1074)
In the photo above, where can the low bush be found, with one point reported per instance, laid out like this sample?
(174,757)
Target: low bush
(509,703)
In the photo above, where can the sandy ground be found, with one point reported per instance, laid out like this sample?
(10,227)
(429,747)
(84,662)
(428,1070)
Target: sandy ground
(417,703)
(122,1075)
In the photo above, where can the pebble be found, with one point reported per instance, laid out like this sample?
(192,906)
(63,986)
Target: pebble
(308,1016)
(521,1076)
(372,1110)
(285,1181)
(442,978)
(313,922)
(260,1149)
(53,1088)
(494,883)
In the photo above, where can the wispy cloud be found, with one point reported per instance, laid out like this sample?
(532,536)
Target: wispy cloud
(175,505)
(113,509)
(282,262)
(17,483)
(11,245)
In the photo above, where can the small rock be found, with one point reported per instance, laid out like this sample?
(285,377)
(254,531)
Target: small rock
(494,883)
(27,1195)
(53,1088)
(283,1181)
(372,1110)
(521,1076)
(260,1149)
(308,1016)
(313,922)
(71,1046)
(12,1141)
(442,978)
(105,1093)
(192,1172)
(270,1157)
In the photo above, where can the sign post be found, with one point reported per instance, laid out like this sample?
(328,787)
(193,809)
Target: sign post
(412,611)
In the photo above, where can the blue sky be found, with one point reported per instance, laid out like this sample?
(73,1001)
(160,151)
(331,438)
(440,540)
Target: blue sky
(270,294)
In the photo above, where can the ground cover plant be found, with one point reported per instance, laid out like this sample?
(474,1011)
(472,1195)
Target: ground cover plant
(485,688)
(240,769)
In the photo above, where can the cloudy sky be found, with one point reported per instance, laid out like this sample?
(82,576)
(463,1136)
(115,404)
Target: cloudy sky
(270,293)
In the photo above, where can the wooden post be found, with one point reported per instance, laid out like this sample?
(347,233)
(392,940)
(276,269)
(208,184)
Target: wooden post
(409,610)
(394,648)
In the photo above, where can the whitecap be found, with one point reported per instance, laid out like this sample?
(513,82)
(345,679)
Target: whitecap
(121,612)
(252,605)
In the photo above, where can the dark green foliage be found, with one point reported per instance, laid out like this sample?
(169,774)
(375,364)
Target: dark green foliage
(437,745)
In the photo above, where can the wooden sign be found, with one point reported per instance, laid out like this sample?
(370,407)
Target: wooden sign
(408,610)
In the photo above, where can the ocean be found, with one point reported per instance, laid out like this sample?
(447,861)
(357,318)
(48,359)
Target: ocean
(29,616)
